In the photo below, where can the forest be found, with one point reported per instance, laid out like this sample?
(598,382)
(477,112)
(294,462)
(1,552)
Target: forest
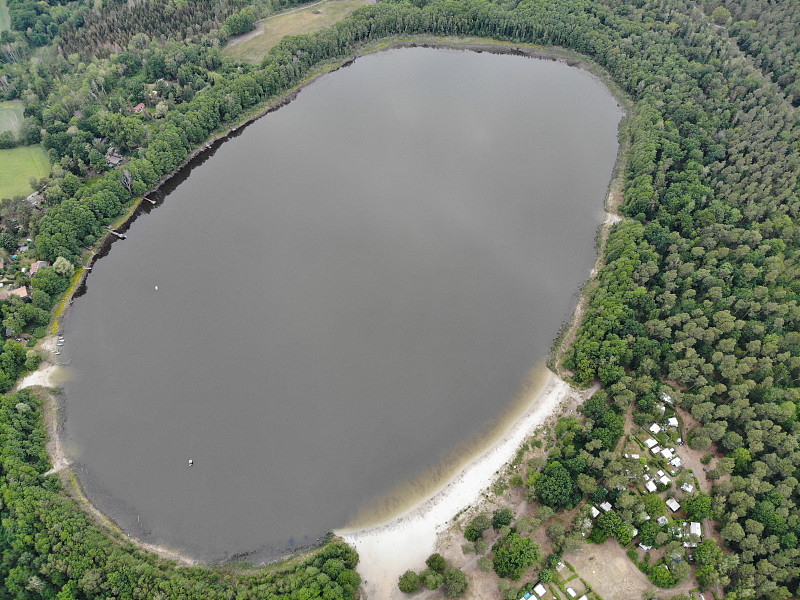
(698,293)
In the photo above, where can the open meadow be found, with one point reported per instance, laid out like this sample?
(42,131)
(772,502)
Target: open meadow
(253,47)
(4,19)
(11,115)
(17,166)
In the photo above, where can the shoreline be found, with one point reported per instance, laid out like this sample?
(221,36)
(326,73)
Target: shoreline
(404,542)
(411,535)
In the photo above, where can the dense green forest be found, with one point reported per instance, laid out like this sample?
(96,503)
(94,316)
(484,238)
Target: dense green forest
(699,289)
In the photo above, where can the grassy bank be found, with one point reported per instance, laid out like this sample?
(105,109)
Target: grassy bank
(17,166)
(272,30)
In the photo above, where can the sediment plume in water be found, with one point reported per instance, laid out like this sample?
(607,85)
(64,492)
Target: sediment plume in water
(408,494)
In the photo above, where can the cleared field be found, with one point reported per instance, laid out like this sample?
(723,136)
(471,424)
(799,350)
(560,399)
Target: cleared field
(17,166)
(11,115)
(4,20)
(253,47)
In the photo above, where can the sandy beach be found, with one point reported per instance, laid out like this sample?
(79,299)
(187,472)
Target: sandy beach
(389,549)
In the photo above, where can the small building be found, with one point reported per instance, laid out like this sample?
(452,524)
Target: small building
(595,512)
(605,506)
(688,488)
(672,422)
(645,548)
(655,449)
(676,462)
(651,487)
(662,520)
(695,529)
(113,161)
(660,473)
(673,505)
(139,108)
(665,480)
(650,442)
(667,398)
(539,589)
(667,453)
(21,292)
(560,566)
(635,456)
(38,265)
(572,593)
(655,428)
(583,597)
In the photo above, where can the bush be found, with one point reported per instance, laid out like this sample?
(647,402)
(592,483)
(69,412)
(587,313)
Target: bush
(431,579)
(436,562)
(455,582)
(472,534)
(408,582)
(485,564)
(514,555)
(501,517)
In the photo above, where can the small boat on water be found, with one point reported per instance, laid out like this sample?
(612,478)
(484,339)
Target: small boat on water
(57,352)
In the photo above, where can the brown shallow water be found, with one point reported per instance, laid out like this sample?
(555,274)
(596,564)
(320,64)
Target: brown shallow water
(347,291)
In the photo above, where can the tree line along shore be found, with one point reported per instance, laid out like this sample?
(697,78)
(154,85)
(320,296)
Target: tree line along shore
(697,295)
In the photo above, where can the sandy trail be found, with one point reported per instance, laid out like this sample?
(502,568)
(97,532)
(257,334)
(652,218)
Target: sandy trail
(405,542)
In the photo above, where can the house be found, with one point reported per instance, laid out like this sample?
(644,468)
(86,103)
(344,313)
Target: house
(539,589)
(662,520)
(672,422)
(695,529)
(650,442)
(38,265)
(655,428)
(605,506)
(572,593)
(665,480)
(673,505)
(583,597)
(688,488)
(667,398)
(645,548)
(667,453)
(113,161)
(595,512)
(676,462)
(655,449)
(651,487)
(139,108)
(21,292)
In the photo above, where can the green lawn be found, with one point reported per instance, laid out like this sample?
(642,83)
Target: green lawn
(273,29)
(11,115)
(17,166)
(4,21)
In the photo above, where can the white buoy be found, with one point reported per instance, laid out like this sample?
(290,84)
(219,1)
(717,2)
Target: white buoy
(156,288)
(191,462)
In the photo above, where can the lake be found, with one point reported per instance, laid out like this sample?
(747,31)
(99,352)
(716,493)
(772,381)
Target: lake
(348,291)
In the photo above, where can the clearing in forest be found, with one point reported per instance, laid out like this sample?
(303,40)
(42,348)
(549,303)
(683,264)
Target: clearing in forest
(17,166)
(253,47)
(5,22)
(11,115)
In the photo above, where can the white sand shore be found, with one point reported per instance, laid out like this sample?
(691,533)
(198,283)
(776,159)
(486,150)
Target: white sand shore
(405,542)
(46,375)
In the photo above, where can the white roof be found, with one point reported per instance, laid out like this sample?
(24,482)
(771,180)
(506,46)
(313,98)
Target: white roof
(655,428)
(634,456)
(662,520)
(695,529)
(687,487)
(583,597)
(539,590)
(595,512)
(651,487)
(666,397)
(672,421)
(560,566)
(605,506)
(665,480)
(645,548)
(572,593)
(650,442)
(656,450)
(666,453)
(660,473)
(673,504)
(676,462)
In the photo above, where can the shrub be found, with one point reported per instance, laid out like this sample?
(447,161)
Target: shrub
(408,582)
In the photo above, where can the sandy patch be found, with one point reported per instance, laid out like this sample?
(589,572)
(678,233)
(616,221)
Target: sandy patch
(405,542)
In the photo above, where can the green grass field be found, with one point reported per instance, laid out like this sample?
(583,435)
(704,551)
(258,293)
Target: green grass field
(274,29)
(4,21)
(11,115)
(17,166)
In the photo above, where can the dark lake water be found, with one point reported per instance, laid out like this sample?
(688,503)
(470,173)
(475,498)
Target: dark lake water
(347,291)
